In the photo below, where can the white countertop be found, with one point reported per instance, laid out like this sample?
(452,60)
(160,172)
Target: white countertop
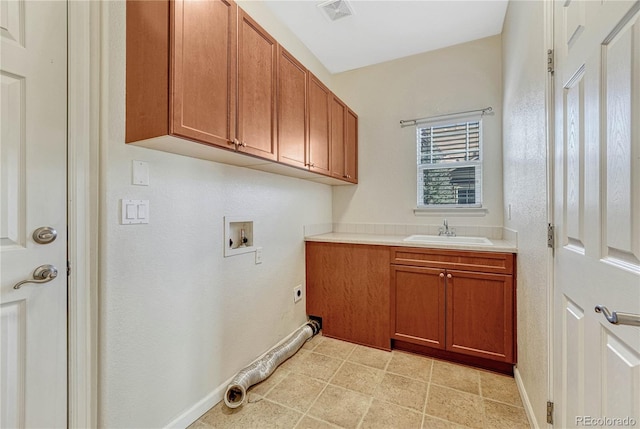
(398,240)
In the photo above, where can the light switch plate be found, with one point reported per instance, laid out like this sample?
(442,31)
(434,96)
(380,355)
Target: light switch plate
(134,211)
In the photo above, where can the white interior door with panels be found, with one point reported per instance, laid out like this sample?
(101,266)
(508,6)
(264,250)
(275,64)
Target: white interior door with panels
(33,177)
(597,213)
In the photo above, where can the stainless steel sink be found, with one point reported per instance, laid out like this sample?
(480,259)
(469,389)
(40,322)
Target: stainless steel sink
(478,241)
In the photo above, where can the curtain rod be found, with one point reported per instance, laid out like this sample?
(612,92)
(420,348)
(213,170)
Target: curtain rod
(410,122)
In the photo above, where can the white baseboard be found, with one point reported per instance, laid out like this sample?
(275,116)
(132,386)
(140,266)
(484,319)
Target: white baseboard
(205,404)
(525,400)
(201,407)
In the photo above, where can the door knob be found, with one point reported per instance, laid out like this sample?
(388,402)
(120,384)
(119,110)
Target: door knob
(45,235)
(618,317)
(42,274)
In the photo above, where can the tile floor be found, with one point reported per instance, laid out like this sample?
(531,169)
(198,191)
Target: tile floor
(335,384)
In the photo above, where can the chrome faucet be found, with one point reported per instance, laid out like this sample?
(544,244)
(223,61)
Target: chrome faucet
(444,230)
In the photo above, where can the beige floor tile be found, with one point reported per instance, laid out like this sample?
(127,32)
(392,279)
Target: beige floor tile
(319,366)
(199,425)
(262,414)
(340,406)
(382,415)
(334,348)
(296,391)
(456,377)
(311,423)
(262,388)
(360,378)
(402,391)
(455,406)
(503,416)
(500,387)
(410,365)
(372,388)
(370,357)
(295,362)
(431,422)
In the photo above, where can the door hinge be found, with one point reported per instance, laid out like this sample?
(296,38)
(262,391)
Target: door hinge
(550,412)
(551,233)
(550,65)
(68,268)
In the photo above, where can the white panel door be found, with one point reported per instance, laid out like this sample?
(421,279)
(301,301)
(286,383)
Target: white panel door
(597,212)
(33,121)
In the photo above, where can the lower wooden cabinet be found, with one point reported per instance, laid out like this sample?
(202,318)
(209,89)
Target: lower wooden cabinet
(456,305)
(348,287)
(467,312)
(418,306)
(480,315)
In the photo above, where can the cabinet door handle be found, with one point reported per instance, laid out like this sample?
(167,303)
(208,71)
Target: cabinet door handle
(441,275)
(449,276)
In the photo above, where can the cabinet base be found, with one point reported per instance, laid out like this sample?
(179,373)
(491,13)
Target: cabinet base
(501,367)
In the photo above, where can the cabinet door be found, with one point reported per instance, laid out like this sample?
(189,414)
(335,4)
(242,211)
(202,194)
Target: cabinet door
(257,68)
(418,305)
(338,129)
(351,148)
(292,110)
(480,311)
(319,121)
(348,286)
(203,70)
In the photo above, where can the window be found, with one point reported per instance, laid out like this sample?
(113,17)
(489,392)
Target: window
(450,165)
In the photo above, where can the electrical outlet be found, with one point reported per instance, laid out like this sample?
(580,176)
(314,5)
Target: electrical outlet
(297,293)
(258,255)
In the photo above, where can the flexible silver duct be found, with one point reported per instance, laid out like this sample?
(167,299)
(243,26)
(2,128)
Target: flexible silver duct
(263,368)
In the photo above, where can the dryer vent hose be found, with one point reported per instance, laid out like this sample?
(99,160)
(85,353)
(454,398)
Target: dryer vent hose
(261,369)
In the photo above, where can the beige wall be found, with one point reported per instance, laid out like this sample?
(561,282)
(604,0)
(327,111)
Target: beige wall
(525,158)
(177,319)
(458,78)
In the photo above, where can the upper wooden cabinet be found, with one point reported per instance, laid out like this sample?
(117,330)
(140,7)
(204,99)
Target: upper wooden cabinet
(292,110)
(319,126)
(344,141)
(257,71)
(338,130)
(204,73)
(181,70)
(147,80)
(203,70)
(351,147)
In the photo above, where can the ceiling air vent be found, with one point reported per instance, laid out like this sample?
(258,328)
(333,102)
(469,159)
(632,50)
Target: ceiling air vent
(336,9)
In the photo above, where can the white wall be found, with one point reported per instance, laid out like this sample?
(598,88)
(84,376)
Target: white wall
(524,75)
(177,319)
(457,78)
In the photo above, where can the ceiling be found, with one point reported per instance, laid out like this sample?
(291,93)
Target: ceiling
(383,30)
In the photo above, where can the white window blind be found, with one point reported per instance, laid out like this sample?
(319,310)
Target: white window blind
(450,164)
